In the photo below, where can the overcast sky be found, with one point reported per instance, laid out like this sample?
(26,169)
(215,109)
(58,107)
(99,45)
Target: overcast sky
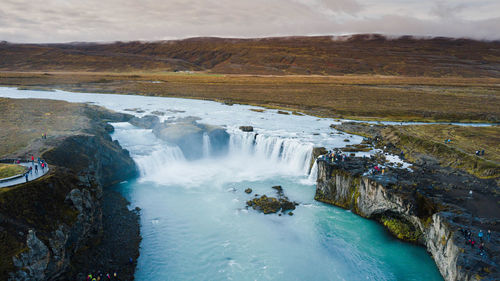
(111,20)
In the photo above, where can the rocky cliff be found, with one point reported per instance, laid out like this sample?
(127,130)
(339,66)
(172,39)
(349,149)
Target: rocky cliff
(46,222)
(410,214)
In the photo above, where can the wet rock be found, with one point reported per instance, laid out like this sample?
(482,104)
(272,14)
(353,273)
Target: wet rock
(109,128)
(265,204)
(287,205)
(146,122)
(188,135)
(246,128)
(279,189)
(283,112)
(317,151)
(248,190)
(269,205)
(159,113)
(290,213)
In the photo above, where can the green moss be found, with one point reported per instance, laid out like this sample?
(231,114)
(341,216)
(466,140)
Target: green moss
(10,246)
(401,229)
(350,202)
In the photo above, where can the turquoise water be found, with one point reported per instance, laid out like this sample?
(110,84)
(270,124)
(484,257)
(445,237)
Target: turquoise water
(194,222)
(195,225)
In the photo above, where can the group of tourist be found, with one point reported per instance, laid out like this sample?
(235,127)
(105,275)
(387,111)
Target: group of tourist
(335,157)
(34,167)
(472,242)
(377,169)
(480,152)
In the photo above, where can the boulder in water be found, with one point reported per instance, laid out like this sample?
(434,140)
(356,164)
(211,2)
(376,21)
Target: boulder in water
(146,122)
(187,134)
(248,190)
(269,205)
(246,128)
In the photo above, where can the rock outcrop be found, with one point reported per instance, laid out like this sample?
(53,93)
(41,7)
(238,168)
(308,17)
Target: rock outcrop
(246,128)
(146,122)
(410,215)
(189,135)
(270,205)
(44,223)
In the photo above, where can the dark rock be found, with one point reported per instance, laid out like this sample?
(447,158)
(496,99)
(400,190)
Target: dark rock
(248,190)
(109,128)
(290,213)
(279,189)
(246,128)
(317,151)
(283,112)
(287,205)
(269,205)
(159,113)
(265,204)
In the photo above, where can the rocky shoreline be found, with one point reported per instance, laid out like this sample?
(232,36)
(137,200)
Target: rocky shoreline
(50,225)
(414,209)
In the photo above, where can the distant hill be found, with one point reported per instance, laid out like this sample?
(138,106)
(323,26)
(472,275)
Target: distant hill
(321,55)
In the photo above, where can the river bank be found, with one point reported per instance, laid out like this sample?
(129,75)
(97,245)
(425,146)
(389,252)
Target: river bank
(48,222)
(361,97)
(430,205)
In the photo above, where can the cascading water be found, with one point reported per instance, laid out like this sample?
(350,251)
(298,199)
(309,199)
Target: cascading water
(195,225)
(206,145)
(194,220)
(289,153)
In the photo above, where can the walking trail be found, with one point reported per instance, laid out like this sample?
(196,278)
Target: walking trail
(22,179)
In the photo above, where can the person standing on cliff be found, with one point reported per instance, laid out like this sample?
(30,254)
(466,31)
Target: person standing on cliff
(480,235)
(26,175)
(488,235)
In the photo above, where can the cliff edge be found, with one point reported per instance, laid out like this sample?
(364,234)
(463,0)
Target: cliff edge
(47,223)
(412,209)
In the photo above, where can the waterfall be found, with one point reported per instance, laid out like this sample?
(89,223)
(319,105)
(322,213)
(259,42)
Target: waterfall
(206,145)
(248,156)
(313,175)
(290,153)
(158,159)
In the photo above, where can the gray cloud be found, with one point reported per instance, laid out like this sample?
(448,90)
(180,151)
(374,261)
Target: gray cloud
(110,20)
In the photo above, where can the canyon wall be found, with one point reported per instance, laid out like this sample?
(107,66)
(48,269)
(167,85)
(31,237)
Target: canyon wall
(407,214)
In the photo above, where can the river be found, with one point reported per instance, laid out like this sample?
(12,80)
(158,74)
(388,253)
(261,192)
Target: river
(194,222)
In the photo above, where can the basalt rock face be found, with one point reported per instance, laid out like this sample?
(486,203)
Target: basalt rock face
(408,215)
(46,222)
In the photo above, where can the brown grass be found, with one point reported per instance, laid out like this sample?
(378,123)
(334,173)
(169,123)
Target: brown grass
(361,97)
(320,55)
(465,139)
(24,121)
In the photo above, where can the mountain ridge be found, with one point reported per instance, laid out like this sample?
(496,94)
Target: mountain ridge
(370,54)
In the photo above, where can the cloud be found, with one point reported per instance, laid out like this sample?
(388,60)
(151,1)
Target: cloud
(110,20)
